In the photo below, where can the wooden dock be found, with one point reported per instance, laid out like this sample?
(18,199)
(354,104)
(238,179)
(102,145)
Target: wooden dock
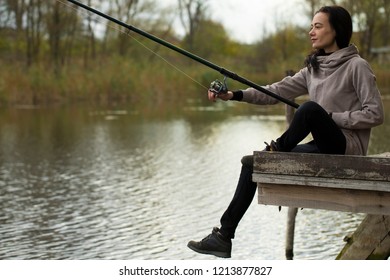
(359,184)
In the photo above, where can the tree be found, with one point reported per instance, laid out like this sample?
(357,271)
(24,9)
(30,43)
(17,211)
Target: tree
(11,24)
(90,46)
(13,11)
(33,30)
(366,14)
(134,12)
(192,13)
(283,50)
(61,27)
(315,5)
(214,40)
(385,25)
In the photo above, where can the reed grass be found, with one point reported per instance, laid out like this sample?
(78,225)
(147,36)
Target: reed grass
(116,80)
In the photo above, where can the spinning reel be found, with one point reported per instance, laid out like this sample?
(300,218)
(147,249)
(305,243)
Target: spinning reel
(218,87)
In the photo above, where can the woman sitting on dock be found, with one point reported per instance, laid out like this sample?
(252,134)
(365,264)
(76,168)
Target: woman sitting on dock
(344,105)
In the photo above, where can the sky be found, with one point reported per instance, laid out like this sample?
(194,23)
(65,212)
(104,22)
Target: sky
(246,20)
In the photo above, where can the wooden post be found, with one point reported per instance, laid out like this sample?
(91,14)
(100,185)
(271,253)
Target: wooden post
(290,233)
(292,212)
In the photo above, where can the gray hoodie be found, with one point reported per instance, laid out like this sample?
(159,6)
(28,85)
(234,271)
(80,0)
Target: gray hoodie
(344,85)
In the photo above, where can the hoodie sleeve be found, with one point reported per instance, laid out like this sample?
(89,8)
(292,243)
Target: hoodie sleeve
(289,88)
(371,112)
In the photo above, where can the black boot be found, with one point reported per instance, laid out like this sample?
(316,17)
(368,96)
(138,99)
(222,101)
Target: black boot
(273,147)
(213,244)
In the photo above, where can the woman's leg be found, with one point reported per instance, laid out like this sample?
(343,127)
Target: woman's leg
(328,138)
(243,196)
(312,118)
(218,243)
(245,192)
(309,118)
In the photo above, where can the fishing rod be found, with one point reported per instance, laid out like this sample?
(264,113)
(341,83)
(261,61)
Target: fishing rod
(216,86)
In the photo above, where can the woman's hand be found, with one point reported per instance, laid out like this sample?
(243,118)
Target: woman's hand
(224,96)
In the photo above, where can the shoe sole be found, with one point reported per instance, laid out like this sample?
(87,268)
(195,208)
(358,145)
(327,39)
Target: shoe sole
(214,253)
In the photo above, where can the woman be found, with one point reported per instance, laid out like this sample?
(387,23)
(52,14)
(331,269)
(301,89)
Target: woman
(344,105)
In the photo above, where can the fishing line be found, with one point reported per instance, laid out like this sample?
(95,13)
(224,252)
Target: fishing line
(129,33)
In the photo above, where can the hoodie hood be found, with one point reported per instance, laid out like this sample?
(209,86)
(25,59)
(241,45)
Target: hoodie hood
(338,58)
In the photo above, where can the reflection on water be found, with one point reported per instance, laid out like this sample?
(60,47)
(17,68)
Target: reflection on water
(131,184)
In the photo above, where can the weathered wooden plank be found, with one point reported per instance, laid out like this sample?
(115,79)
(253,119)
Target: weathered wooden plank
(358,201)
(371,240)
(321,165)
(331,182)
(280,179)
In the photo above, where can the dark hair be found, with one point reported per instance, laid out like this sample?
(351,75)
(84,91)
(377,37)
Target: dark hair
(341,22)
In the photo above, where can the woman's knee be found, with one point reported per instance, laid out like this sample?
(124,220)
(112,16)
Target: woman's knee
(311,109)
(310,106)
(247,161)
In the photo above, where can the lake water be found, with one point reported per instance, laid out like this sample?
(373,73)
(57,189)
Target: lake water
(130,183)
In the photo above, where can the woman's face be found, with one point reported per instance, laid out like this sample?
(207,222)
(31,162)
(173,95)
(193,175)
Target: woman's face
(322,34)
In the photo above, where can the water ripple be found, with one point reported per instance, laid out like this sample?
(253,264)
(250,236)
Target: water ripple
(141,190)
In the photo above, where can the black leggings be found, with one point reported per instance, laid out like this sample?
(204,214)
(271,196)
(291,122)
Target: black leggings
(309,118)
